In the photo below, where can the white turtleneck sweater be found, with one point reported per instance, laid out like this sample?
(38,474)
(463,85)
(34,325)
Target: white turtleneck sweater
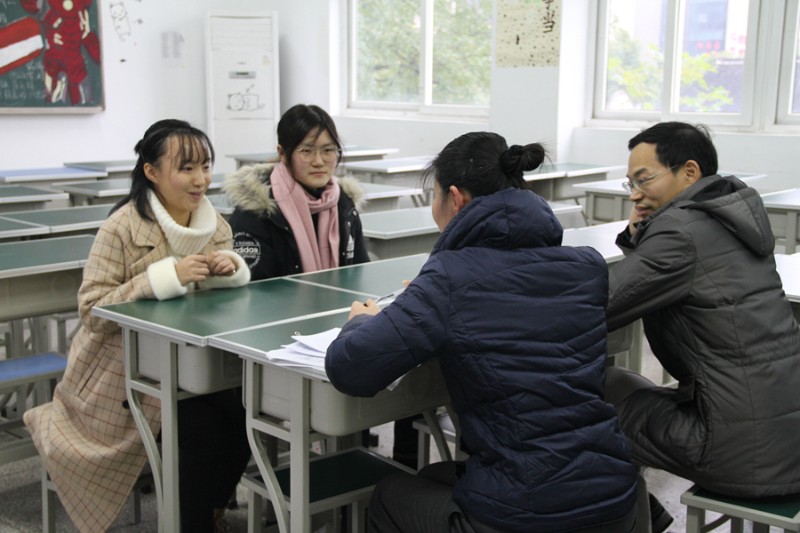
(185,241)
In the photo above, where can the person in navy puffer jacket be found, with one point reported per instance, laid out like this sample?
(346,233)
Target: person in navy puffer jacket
(517,322)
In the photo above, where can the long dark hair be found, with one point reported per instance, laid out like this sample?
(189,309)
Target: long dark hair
(482,163)
(298,122)
(194,147)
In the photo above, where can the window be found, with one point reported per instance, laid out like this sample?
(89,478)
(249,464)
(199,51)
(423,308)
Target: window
(431,56)
(789,88)
(677,60)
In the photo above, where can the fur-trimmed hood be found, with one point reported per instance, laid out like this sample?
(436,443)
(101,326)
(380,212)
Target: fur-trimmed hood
(249,189)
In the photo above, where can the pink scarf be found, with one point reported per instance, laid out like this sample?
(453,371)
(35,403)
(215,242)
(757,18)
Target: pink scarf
(318,250)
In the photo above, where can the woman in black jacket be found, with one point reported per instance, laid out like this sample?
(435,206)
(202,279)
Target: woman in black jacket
(295,216)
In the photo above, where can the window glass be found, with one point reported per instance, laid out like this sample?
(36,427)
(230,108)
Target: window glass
(462,49)
(796,77)
(388,44)
(712,56)
(635,55)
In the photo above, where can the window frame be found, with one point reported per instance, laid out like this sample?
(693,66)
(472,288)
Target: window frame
(599,116)
(426,107)
(786,74)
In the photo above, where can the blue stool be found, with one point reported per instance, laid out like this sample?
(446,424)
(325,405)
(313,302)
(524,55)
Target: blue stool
(19,376)
(782,512)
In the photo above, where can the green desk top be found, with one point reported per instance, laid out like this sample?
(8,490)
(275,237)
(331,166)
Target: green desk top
(398,223)
(200,314)
(13,229)
(64,220)
(373,280)
(47,174)
(123,165)
(44,255)
(785,506)
(789,200)
(601,237)
(109,187)
(373,191)
(118,186)
(254,343)
(567,170)
(415,221)
(15,194)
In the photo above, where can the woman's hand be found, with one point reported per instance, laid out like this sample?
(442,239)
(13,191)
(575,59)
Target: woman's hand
(364,308)
(221,264)
(192,268)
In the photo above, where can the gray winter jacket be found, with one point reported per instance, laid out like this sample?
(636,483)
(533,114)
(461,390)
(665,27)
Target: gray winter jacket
(701,274)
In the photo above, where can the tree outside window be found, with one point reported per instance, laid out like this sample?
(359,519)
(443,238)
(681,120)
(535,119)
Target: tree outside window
(417,53)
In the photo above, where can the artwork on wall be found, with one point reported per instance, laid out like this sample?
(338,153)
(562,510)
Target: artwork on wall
(528,33)
(50,56)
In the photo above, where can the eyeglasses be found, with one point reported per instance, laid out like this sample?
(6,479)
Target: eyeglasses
(641,183)
(327,153)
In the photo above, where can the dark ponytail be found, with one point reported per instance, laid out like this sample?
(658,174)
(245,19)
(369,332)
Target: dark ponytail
(518,159)
(481,163)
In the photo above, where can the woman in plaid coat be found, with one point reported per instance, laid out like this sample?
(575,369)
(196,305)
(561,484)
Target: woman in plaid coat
(162,240)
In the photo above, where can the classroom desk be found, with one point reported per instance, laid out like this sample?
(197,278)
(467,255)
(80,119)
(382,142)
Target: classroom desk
(12,230)
(83,219)
(385,196)
(783,208)
(558,181)
(110,191)
(395,170)
(48,176)
(20,197)
(40,277)
(413,230)
(607,200)
(350,153)
(168,351)
(377,197)
(113,169)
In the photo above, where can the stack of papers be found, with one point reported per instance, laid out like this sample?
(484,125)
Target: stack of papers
(308,351)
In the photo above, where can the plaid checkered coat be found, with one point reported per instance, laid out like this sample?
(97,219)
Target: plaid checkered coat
(86,436)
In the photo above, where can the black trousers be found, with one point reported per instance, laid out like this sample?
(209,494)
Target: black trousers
(214,453)
(423,503)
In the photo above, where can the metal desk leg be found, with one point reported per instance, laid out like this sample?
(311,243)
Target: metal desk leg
(165,475)
(791,232)
(591,198)
(169,440)
(300,442)
(252,391)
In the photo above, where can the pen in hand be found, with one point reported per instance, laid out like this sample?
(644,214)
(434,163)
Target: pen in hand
(390,296)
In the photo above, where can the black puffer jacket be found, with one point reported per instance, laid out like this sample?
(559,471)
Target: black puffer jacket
(262,236)
(701,274)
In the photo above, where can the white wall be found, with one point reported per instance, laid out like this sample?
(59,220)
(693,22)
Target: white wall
(527,104)
(141,86)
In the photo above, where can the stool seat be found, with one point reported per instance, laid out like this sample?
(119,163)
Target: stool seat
(337,480)
(28,369)
(18,377)
(780,511)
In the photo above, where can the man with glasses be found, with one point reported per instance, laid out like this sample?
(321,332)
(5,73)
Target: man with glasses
(700,273)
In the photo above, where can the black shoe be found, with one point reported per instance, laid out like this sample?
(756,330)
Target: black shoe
(660,519)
